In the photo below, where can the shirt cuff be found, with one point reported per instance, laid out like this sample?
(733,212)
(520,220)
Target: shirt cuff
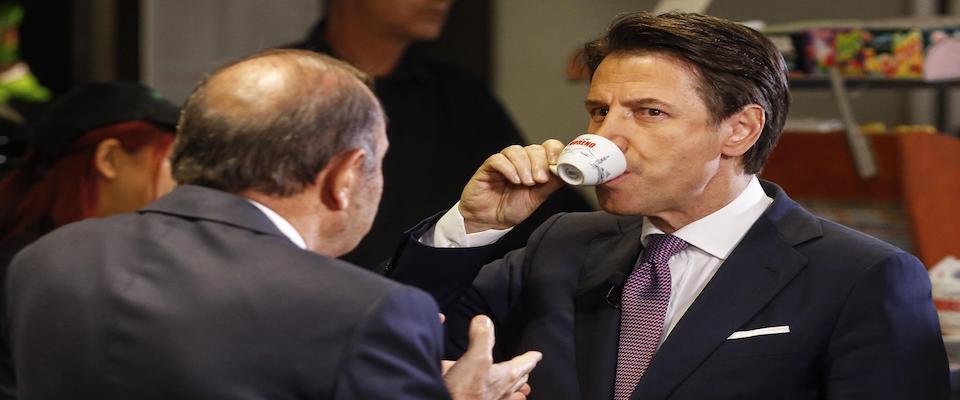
(450,231)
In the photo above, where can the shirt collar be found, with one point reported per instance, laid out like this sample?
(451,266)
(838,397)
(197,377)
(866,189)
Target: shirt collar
(282,224)
(719,232)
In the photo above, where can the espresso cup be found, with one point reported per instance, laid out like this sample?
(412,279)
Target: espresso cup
(589,160)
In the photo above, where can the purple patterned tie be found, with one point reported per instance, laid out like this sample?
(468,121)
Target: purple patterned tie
(643,307)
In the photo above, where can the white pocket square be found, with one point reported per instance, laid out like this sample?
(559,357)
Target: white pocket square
(772,330)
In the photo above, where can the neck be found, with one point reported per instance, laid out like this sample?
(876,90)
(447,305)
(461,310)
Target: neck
(372,50)
(717,193)
(104,206)
(111,199)
(305,216)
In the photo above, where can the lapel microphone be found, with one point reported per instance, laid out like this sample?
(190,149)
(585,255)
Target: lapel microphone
(616,282)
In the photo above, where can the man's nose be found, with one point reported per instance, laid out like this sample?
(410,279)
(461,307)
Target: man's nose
(614,130)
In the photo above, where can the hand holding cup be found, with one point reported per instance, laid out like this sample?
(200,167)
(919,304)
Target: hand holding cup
(509,186)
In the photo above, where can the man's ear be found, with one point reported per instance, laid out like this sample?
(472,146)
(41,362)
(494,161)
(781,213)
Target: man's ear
(341,176)
(108,157)
(746,126)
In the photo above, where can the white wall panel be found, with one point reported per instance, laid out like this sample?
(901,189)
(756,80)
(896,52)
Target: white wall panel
(182,40)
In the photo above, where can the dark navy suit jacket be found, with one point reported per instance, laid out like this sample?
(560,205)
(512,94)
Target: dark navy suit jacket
(199,296)
(861,322)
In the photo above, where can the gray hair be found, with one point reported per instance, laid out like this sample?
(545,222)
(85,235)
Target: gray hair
(234,136)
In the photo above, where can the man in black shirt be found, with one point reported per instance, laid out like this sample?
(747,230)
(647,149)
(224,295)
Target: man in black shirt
(443,122)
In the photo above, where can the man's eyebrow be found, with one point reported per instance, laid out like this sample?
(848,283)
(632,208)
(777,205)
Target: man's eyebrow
(646,102)
(632,103)
(589,103)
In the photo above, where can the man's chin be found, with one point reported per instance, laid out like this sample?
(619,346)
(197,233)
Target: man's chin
(426,33)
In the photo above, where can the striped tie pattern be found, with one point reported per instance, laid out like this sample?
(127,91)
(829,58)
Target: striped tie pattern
(643,307)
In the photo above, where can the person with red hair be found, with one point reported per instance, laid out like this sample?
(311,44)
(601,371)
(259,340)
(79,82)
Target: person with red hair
(100,150)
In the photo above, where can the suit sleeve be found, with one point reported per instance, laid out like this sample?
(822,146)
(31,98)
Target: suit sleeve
(887,343)
(466,282)
(396,351)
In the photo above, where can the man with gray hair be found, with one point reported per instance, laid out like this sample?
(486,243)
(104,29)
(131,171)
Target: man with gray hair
(228,287)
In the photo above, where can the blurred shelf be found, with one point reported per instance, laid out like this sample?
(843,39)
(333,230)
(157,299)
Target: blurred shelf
(871,83)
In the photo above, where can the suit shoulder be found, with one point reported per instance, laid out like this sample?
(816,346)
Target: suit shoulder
(73,236)
(849,248)
(346,282)
(857,241)
(349,273)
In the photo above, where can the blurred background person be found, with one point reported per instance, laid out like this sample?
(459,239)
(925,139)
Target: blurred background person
(442,121)
(100,150)
(16,80)
(21,94)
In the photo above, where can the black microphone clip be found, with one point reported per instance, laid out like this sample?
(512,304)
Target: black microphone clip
(616,290)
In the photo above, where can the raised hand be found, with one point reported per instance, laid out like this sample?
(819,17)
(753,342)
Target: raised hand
(509,186)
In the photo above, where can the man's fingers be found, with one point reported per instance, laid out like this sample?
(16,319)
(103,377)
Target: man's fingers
(509,378)
(443,318)
(520,383)
(520,394)
(548,187)
(553,147)
(521,162)
(538,162)
(522,365)
(499,163)
(481,339)
(520,389)
(445,365)
(532,357)
(525,389)
(528,166)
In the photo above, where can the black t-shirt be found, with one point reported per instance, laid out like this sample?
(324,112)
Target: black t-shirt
(442,124)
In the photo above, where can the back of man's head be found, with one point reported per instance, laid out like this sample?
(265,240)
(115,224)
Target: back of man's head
(270,122)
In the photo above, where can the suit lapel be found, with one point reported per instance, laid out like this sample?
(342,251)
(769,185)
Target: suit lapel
(597,316)
(761,265)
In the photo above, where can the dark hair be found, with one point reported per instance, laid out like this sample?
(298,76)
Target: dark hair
(737,66)
(279,151)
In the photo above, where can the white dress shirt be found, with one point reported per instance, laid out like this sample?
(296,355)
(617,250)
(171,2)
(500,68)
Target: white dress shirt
(282,224)
(711,238)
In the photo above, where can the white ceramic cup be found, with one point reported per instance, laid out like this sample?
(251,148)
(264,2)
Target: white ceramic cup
(589,160)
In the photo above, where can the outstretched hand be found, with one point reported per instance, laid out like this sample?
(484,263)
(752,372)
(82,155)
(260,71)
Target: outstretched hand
(475,377)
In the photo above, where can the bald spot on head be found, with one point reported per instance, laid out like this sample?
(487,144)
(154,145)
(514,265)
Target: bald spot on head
(260,88)
(271,121)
